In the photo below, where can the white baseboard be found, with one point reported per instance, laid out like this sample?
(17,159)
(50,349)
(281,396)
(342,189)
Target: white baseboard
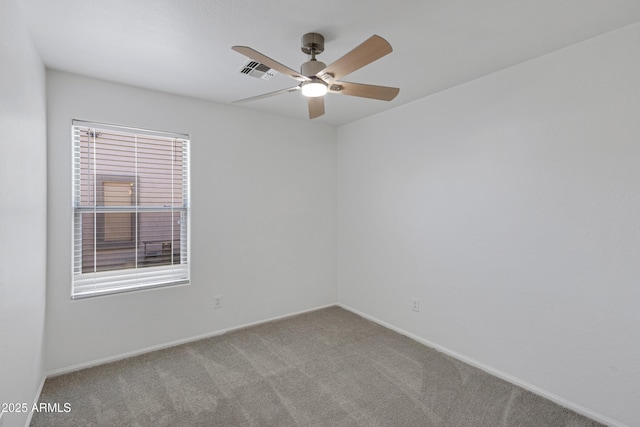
(35,400)
(115,358)
(495,372)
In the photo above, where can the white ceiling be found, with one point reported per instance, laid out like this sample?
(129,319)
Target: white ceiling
(183,46)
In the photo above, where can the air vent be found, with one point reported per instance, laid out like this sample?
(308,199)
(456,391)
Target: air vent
(258,70)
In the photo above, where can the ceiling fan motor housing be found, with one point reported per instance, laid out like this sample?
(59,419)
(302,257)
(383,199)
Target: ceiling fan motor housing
(311,68)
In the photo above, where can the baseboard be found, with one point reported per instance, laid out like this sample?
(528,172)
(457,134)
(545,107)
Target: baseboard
(115,358)
(495,372)
(35,400)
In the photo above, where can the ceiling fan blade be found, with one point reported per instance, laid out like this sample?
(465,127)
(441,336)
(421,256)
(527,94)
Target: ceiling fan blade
(316,106)
(375,47)
(263,59)
(384,93)
(267,95)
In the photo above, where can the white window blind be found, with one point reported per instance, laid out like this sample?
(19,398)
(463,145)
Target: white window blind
(131,209)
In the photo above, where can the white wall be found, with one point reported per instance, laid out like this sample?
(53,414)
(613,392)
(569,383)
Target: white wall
(510,207)
(263,222)
(23,203)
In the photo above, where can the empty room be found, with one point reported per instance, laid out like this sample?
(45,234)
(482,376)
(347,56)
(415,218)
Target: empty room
(393,213)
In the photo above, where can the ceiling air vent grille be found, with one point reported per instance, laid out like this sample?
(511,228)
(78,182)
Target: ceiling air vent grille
(258,70)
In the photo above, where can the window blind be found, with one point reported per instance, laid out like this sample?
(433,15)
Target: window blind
(130,209)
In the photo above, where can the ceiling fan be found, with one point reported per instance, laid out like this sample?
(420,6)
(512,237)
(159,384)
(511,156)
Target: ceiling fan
(316,78)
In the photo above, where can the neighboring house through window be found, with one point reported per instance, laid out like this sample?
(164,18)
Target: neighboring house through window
(131,209)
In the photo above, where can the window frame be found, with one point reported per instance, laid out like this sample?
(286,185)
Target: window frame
(143,275)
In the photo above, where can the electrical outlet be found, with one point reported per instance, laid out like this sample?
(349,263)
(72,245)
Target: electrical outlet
(415,304)
(217,301)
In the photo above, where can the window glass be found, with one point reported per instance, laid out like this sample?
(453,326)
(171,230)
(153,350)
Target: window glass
(131,209)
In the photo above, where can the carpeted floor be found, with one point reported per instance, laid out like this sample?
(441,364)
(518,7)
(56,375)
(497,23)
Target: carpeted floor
(324,368)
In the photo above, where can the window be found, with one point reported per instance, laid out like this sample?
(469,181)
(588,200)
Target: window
(116,229)
(130,209)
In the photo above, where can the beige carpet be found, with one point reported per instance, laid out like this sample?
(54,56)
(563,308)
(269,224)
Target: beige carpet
(324,368)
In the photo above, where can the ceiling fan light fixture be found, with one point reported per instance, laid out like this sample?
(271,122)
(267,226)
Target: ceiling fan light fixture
(314,89)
